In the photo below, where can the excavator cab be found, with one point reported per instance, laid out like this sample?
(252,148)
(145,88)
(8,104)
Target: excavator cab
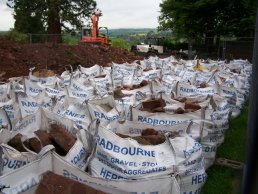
(91,35)
(88,38)
(86,32)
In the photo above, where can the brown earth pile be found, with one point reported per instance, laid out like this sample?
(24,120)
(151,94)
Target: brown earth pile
(59,137)
(52,183)
(153,105)
(17,58)
(148,137)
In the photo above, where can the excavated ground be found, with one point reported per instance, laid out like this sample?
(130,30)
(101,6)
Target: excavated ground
(17,58)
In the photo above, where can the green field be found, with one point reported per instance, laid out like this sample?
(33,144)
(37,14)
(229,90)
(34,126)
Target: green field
(122,32)
(225,180)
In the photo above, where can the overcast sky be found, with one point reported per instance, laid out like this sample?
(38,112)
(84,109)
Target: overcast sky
(116,14)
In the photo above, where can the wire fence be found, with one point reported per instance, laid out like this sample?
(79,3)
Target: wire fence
(213,48)
(241,47)
(53,38)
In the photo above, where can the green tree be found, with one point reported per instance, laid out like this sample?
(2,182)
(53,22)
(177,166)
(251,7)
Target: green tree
(27,17)
(50,14)
(195,19)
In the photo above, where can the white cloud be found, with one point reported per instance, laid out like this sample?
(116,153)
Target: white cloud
(6,17)
(116,14)
(129,13)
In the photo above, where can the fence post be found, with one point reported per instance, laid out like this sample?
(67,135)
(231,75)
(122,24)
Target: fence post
(250,176)
(224,50)
(30,38)
(190,51)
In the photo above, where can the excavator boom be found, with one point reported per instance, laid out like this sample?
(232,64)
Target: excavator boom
(91,36)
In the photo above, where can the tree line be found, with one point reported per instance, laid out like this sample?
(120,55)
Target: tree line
(50,16)
(193,19)
(189,19)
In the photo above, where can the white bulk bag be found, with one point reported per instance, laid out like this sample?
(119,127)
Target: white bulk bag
(92,71)
(133,128)
(33,88)
(13,159)
(16,86)
(140,94)
(4,91)
(49,81)
(189,75)
(49,118)
(152,74)
(121,79)
(79,84)
(102,85)
(161,185)
(124,69)
(126,158)
(28,124)
(27,177)
(5,119)
(192,183)
(104,109)
(52,93)
(126,101)
(169,119)
(188,152)
(212,137)
(240,100)
(168,82)
(29,105)
(204,77)
(64,80)
(78,154)
(86,94)
(184,90)
(219,103)
(78,112)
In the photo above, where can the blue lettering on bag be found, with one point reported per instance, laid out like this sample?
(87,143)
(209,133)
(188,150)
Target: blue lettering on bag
(35,90)
(101,115)
(198,179)
(79,156)
(153,121)
(124,150)
(29,104)
(73,114)
(13,164)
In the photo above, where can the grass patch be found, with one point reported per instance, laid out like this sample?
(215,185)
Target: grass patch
(224,180)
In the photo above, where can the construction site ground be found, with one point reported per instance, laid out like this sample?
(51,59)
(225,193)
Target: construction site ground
(17,58)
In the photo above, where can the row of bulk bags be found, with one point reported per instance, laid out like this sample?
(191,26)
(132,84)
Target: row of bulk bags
(26,179)
(36,126)
(79,82)
(118,158)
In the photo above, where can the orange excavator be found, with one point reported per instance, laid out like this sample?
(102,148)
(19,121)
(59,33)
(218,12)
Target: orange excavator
(91,35)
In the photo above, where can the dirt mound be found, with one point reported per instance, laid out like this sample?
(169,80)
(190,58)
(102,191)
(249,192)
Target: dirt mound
(52,183)
(17,58)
